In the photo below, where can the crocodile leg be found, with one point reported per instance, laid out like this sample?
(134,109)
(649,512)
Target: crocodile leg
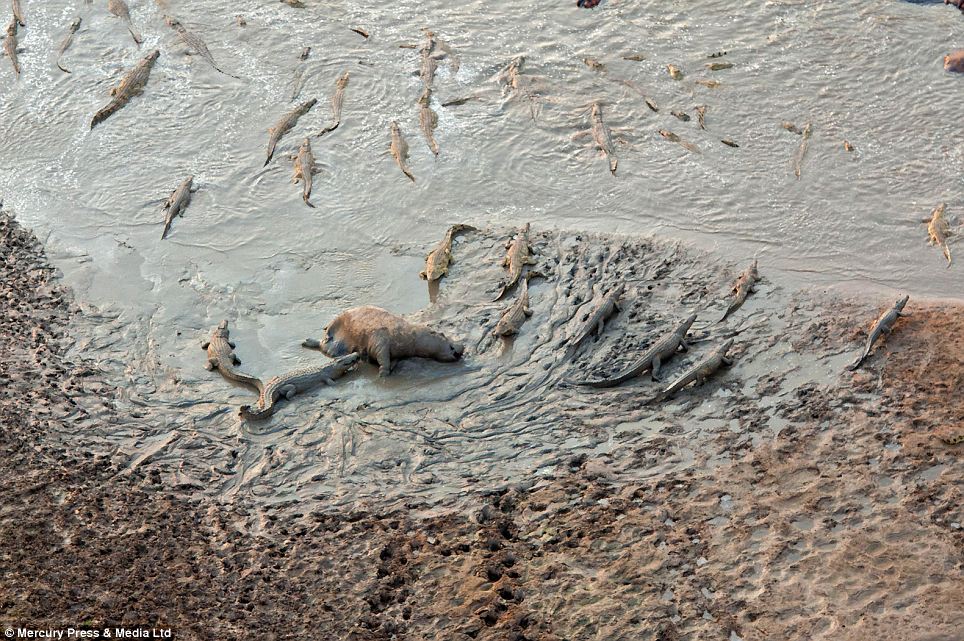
(288,391)
(654,370)
(210,365)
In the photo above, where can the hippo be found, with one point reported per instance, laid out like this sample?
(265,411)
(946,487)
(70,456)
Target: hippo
(383,337)
(954,61)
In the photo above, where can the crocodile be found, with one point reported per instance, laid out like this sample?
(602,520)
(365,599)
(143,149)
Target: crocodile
(428,120)
(286,124)
(305,170)
(802,150)
(337,101)
(685,144)
(744,285)
(675,72)
(653,358)
(597,321)
(594,64)
(119,9)
(512,80)
(432,50)
(702,370)
(360,31)
(175,205)
(701,116)
(399,150)
(10,46)
(193,41)
(517,313)
(719,66)
(681,115)
(130,85)
(18,13)
(881,327)
(299,72)
(438,260)
(297,381)
(518,254)
(221,356)
(602,136)
(791,127)
(67,41)
(938,230)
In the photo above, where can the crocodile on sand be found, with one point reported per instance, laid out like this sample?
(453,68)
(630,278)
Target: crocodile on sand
(295,382)
(597,321)
(221,357)
(517,313)
(438,260)
(652,360)
(883,326)
(518,255)
(744,285)
(130,86)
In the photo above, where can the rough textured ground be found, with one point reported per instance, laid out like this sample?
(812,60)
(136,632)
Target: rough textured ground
(827,508)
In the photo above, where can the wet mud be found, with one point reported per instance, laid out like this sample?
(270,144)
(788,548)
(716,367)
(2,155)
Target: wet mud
(786,498)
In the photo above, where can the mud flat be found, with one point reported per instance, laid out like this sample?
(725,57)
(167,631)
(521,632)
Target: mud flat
(495,500)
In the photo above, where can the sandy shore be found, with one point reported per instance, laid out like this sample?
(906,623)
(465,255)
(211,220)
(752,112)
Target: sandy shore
(843,522)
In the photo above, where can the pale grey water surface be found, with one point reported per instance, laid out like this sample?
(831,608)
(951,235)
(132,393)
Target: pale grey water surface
(249,250)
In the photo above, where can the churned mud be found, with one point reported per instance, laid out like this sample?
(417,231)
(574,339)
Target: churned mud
(494,499)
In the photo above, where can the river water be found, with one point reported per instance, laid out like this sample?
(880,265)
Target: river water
(248,249)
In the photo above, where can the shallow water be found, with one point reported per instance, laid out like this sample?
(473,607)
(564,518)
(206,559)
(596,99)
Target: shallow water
(249,250)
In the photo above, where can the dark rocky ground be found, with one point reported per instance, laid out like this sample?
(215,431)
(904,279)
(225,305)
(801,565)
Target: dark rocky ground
(844,523)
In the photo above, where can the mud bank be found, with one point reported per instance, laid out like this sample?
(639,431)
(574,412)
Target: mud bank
(784,499)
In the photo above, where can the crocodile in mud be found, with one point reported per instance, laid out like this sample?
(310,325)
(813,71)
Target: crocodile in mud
(131,85)
(221,357)
(654,357)
(304,162)
(176,204)
(295,382)
(438,260)
(596,323)
(517,313)
(518,254)
(119,9)
(883,326)
(286,124)
(399,150)
(938,230)
(193,41)
(744,285)
(428,120)
(701,371)
(337,102)
(67,41)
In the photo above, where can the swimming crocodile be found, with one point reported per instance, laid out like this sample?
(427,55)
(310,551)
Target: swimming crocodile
(438,260)
(67,41)
(882,327)
(701,116)
(701,371)
(10,46)
(517,313)
(938,230)
(744,285)
(597,321)
(295,382)
(193,41)
(305,170)
(802,149)
(119,9)
(130,85)
(286,124)
(432,50)
(18,13)
(175,205)
(518,254)
(653,358)
(428,120)
(337,101)
(299,72)
(221,357)
(399,150)
(513,81)
(685,144)
(602,136)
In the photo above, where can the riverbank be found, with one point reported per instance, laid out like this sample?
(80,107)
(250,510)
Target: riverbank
(808,508)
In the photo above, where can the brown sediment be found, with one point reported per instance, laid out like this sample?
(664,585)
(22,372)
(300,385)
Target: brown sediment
(773,502)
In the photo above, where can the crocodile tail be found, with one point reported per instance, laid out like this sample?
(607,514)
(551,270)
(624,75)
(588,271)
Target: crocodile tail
(105,113)
(258,414)
(136,36)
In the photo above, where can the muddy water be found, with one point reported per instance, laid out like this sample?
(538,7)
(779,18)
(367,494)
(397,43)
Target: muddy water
(249,250)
